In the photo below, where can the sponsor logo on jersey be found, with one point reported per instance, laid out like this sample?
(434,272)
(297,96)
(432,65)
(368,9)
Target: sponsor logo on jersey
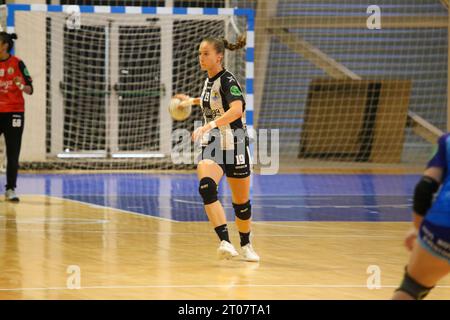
(231,79)
(4,85)
(2,72)
(215,96)
(210,113)
(235,91)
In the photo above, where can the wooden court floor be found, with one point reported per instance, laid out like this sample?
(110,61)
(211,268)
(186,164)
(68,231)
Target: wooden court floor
(51,248)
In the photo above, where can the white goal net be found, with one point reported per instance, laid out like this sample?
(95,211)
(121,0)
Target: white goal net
(110,73)
(342,86)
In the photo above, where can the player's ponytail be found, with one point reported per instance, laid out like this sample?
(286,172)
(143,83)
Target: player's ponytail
(9,39)
(220,44)
(240,43)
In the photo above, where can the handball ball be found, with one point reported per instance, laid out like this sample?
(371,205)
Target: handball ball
(177,112)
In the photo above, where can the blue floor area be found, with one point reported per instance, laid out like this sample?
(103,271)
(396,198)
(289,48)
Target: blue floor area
(283,197)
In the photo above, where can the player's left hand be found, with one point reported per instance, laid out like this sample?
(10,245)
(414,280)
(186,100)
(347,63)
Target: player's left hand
(199,132)
(410,239)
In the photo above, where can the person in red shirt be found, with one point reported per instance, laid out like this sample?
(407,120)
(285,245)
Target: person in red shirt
(14,81)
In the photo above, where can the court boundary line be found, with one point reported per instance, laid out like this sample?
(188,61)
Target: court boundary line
(268,222)
(208,234)
(111,208)
(368,206)
(276,223)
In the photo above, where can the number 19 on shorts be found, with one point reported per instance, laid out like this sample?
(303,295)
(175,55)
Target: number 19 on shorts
(240,159)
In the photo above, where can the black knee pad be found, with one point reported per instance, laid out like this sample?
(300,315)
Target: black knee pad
(413,288)
(208,190)
(243,211)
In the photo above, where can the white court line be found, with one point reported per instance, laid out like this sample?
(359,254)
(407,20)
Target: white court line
(268,223)
(111,208)
(255,205)
(58,220)
(185,201)
(196,234)
(318,286)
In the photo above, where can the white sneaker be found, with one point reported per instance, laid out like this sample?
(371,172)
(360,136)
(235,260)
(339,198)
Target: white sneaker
(10,195)
(226,250)
(249,253)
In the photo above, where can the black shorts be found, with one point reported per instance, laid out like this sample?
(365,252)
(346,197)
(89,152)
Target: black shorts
(234,163)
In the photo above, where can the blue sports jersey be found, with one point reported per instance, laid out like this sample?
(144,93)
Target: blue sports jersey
(439,213)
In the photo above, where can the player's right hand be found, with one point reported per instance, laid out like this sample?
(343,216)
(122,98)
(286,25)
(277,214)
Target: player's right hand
(181,96)
(186,103)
